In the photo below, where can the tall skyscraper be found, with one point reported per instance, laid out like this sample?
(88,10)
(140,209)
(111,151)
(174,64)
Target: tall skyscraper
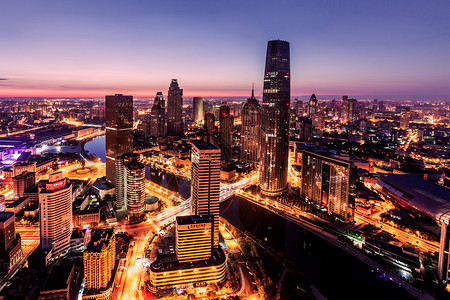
(250,131)
(119,130)
(175,109)
(298,108)
(135,190)
(405,117)
(194,238)
(348,109)
(121,175)
(205,184)
(55,214)
(158,117)
(329,183)
(98,259)
(313,106)
(275,120)
(226,124)
(209,126)
(198,109)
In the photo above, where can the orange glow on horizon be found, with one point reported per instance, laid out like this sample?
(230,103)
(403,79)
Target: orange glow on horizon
(100,94)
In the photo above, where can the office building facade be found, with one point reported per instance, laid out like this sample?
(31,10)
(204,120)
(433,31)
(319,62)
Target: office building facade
(121,174)
(250,131)
(275,120)
(194,237)
(205,183)
(135,190)
(158,117)
(55,214)
(119,130)
(329,183)
(198,109)
(226,136)
(24,182)
(99,259)
(10,243)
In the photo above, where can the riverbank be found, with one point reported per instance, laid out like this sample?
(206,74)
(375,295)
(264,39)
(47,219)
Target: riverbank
(331,238)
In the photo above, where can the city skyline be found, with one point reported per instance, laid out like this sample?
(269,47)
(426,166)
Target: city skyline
(145,170)
(384,49)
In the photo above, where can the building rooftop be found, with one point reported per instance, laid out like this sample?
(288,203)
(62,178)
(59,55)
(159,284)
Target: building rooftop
(420,195)
(151,199)
(99,239)
(4,216)
(169,262)
(102,184)
(194,219)
(204,145)
(16,202)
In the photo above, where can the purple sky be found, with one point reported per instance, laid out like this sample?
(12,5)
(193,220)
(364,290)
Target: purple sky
(217,48)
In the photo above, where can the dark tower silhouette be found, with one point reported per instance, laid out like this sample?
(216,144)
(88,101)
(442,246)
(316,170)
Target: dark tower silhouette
(275,119)
(158,116)
(119,131)
(175,110)
(250,136)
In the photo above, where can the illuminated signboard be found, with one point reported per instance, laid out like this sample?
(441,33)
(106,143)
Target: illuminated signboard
(58,185)
(193,226)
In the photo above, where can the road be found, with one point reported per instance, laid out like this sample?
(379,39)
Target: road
(129,282)
(404,237)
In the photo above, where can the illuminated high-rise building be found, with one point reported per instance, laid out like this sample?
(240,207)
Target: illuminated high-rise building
(275,120)
(250,131)
(121,182)
(298,108)
(119,130)
(194,238)
(226,124)
(175,109)
(99,259)
(405,117)
(55,214)
(205,184)
(329,183)
(135,190)
(198,109)
(209,126)
(158,117)
(348,108)
(313,106)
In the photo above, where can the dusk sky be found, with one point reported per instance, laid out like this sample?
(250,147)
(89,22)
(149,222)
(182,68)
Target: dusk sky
(86,48)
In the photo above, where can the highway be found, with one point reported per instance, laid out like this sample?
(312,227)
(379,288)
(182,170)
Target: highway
(404,237)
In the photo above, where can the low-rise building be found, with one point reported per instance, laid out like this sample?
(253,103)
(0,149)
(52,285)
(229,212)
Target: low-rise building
(58,283)
(10,242)
(17,206)
(86,217)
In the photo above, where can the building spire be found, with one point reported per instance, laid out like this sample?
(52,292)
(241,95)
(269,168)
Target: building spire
(253,90)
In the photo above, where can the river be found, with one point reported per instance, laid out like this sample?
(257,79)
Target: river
(168,181)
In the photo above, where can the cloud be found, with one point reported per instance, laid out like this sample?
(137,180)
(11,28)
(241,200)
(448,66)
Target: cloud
(3,79)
